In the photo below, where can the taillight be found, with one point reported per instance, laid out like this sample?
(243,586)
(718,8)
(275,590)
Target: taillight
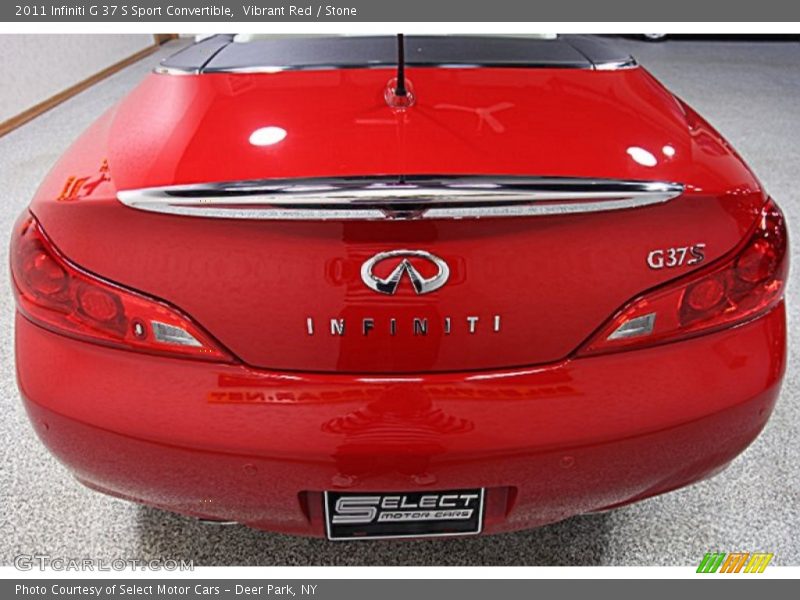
(737,288)
(60,296)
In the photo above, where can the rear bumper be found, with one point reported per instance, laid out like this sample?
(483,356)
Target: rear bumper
(232,443)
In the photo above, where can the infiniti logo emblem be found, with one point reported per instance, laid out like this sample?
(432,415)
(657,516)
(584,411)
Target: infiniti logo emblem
(389,284)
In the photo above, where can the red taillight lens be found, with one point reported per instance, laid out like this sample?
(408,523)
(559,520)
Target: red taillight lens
(58,295)
(735,289)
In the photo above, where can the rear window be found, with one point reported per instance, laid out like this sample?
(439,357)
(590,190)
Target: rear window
(264,53)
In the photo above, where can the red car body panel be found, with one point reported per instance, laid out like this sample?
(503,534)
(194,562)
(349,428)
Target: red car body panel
(550,299)
(233,443)
(513,408)
(575,123)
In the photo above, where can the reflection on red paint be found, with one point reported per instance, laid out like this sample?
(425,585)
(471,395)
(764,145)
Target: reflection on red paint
(76,188)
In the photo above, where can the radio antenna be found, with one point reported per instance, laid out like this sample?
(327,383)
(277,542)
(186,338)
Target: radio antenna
(400,90)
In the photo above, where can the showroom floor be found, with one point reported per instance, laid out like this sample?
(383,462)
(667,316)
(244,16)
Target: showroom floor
(749,90)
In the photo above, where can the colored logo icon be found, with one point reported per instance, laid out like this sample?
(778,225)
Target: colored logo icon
(734,562)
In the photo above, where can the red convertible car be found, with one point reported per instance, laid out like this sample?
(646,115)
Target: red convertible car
(374,287)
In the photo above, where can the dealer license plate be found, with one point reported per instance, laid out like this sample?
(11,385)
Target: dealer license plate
(382,515)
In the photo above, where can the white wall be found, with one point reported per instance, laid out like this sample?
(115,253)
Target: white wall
(36,67)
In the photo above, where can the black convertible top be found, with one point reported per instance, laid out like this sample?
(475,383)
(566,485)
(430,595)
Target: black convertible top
(221,53)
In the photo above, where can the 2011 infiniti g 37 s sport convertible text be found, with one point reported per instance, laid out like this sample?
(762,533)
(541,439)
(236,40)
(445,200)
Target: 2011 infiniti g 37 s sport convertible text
(361,287)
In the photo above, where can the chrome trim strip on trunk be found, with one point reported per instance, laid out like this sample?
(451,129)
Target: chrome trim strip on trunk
(387,198)
(162,70)
(268,69)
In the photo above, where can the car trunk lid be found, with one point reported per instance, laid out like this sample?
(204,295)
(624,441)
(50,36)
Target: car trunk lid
(299,293)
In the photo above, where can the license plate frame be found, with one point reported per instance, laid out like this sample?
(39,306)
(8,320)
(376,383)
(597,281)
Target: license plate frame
(397,515)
